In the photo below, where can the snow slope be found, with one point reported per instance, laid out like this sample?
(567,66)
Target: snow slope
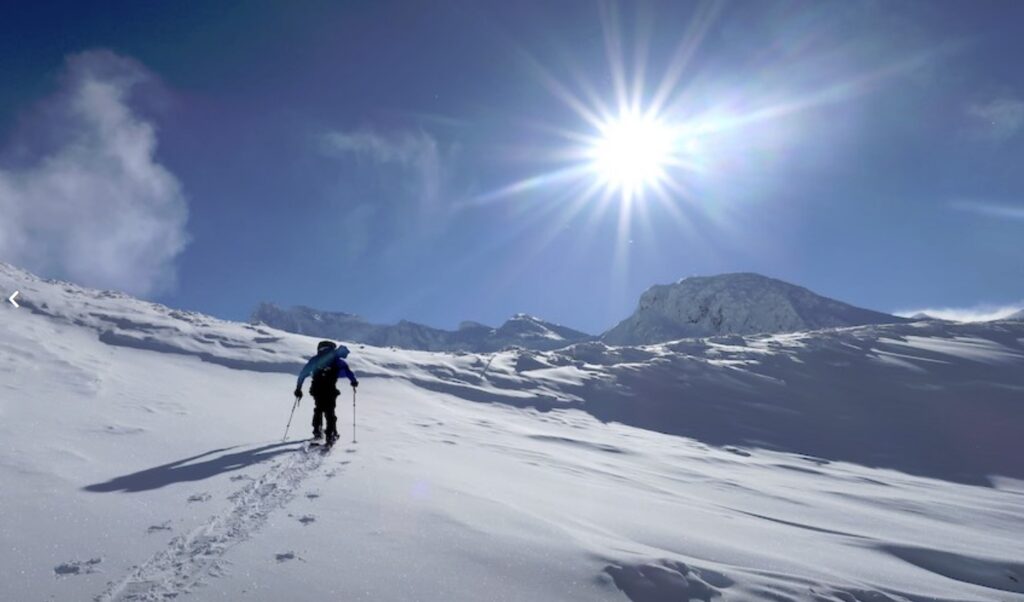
(521,330)
(141,458)
(733,304)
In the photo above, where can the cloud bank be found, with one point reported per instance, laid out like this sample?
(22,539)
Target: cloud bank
(95,206)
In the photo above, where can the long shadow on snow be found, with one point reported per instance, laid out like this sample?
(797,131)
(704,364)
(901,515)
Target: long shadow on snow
(188,469)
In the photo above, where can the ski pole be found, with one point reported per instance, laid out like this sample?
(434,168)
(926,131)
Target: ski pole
(353,414)
(289,425)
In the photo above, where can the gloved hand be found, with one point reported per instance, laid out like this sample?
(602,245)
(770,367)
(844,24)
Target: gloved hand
(355,384)
(298,392)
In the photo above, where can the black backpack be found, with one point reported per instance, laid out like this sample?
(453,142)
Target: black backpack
(325,378)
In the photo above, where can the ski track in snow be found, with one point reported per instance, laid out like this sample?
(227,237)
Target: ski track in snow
(189,558)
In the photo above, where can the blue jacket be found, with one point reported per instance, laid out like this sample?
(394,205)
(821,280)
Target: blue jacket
(322,360)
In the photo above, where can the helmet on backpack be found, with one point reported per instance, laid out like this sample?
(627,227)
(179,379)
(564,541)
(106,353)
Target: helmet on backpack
(325,345)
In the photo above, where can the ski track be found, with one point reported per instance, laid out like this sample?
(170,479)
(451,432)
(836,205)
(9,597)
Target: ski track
(188,559)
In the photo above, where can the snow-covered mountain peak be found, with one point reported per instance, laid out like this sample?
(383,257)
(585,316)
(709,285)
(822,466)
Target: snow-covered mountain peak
(741,303)
(534,333)
(271,312)
(521,330)
(473,325)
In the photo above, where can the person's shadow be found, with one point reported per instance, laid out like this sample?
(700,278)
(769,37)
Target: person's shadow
(188,469)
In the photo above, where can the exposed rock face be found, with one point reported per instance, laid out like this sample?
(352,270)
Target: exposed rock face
(734,304)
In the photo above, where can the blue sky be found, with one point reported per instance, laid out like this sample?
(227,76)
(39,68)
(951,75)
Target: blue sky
(410,160)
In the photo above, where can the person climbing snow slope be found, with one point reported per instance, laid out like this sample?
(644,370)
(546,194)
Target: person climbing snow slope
(325,367)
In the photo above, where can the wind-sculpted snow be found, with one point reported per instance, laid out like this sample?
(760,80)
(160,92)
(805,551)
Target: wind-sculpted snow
(141,459)
(933,398)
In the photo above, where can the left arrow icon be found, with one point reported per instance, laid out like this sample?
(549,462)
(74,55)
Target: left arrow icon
(11,299)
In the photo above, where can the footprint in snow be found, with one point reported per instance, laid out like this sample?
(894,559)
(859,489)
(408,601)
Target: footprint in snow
(200,497)
(164,526)
(120,429)
(77,567)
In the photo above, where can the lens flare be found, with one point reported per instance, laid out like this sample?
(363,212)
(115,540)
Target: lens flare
(644,150)
(632,153)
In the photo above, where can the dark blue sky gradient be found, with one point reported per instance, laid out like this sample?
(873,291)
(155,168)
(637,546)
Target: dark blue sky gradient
(874,193)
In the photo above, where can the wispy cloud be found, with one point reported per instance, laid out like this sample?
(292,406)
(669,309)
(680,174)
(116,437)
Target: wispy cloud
(998,119)
(94,207)
(415,152)
(393,187)
(983,312)
(988,209)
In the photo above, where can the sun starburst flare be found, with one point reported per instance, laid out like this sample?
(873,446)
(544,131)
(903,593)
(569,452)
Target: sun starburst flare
(632,153)
(651,151)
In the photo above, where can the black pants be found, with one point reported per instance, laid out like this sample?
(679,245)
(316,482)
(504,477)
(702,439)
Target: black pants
(324,404)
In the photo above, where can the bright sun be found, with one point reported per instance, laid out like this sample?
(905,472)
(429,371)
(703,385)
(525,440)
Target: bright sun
(632,153)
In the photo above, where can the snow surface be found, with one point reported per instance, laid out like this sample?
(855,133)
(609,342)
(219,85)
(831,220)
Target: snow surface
(734,304)
(141,459)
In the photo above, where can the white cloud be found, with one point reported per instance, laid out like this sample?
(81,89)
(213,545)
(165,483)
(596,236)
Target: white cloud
(983,312)
(96,208)
(996,210)
(998,119)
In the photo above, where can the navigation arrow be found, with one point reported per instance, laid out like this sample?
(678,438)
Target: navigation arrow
(11,299)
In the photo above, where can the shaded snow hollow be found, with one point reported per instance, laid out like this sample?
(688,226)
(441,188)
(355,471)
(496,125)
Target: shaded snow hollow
(866,463)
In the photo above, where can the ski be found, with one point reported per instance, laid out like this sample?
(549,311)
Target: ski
(322,444)
(329,443)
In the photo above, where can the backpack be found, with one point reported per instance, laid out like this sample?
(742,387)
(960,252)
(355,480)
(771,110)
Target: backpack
(325,378)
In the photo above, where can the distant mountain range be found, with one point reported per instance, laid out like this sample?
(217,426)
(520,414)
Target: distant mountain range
(520,330)
(693,307)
